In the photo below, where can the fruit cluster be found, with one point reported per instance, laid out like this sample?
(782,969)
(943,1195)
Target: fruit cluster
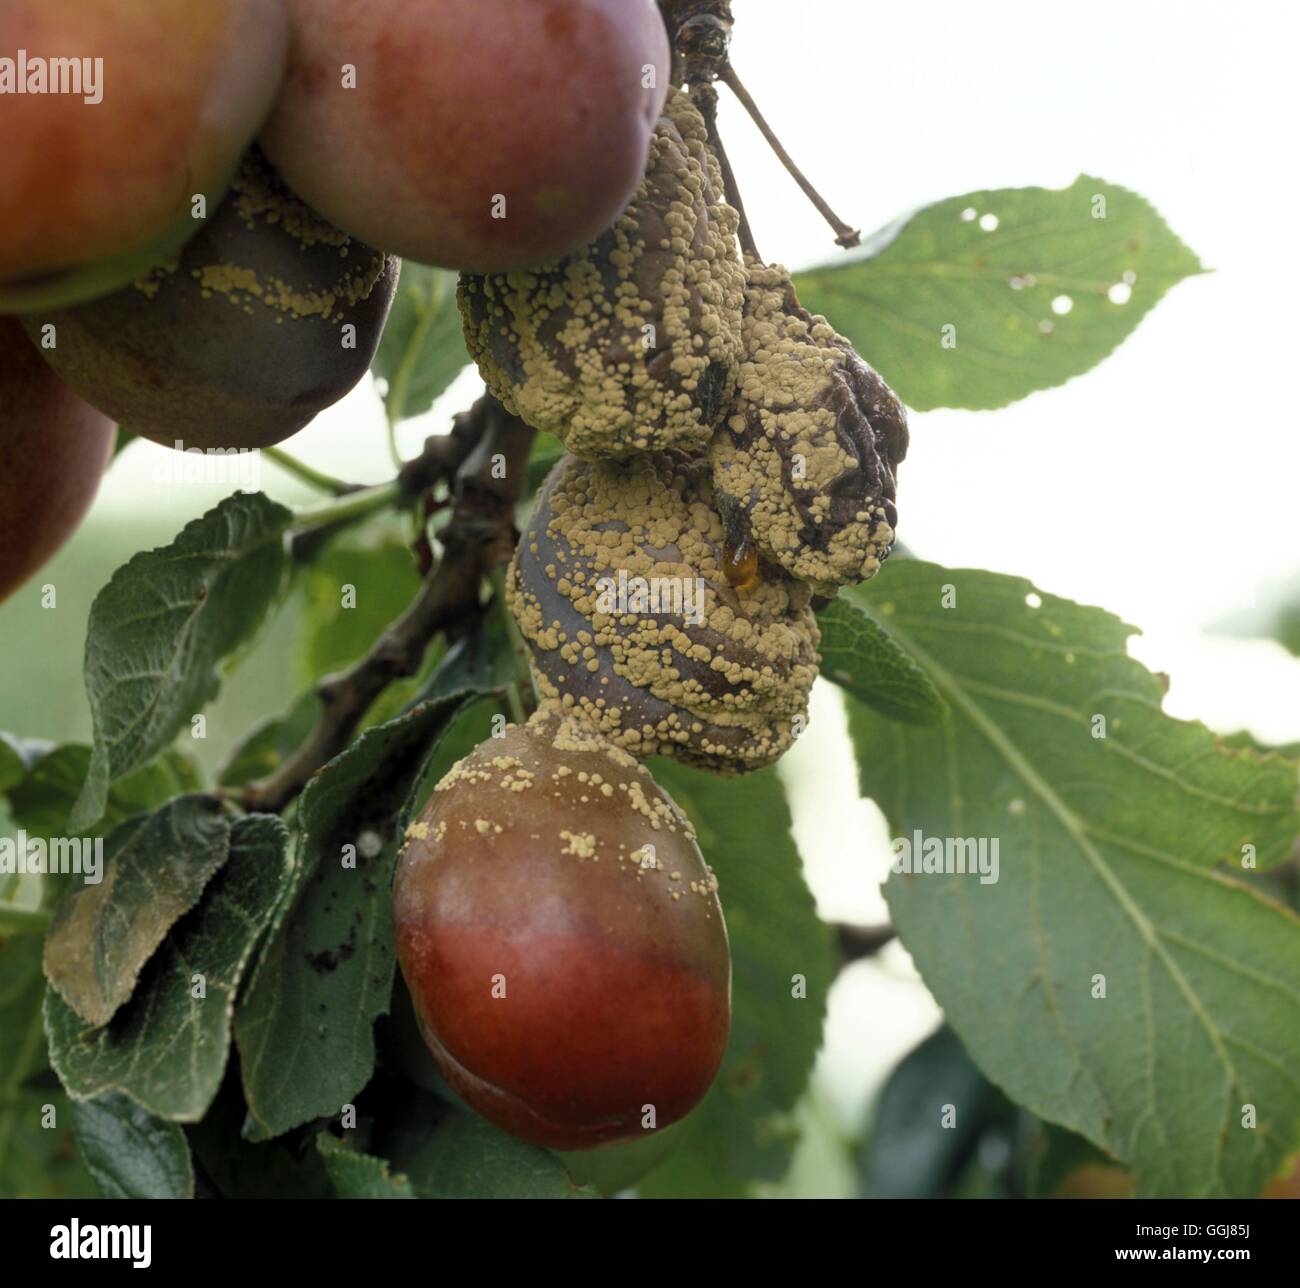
(202,205)
(208,256)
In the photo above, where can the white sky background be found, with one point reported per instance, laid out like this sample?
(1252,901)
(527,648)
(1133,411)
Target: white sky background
(1163,484)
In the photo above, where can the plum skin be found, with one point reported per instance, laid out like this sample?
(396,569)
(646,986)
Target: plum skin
(53,450)
(241,365)
(561,984)
(92,194)
(461,101)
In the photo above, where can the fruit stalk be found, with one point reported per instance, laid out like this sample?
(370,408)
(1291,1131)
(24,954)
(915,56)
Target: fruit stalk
(479,535)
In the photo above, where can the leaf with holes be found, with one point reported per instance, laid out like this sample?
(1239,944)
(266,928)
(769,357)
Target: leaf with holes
(167,1047)
(161,627)
(1113,977)
(981,299)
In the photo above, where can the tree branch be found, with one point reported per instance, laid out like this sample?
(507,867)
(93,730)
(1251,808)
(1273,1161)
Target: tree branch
(490,449)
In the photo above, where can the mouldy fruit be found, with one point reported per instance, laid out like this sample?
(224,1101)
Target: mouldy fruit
(620,587)
(97,185)
(562,940)
(632,344)
(53,450)
(240,341)
(808,456)
(475,134)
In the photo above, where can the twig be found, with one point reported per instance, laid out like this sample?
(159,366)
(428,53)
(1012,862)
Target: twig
(347,509)
(844,235)
(705,97)
(479,535)
(857,942)
(313,477)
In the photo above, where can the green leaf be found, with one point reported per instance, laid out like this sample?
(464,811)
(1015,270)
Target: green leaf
(742,1130)
(915,1150)
(37,1160)
(42,803)
(385,581)
(545,454)
(305,1029)
(265,747)
(13,762)
(467,1158)
(359,1176)
(1001,289)
(167,1048)
(423,349)
(862,657)
(1115,854)
(161,627)
(154,870)
(131,1154)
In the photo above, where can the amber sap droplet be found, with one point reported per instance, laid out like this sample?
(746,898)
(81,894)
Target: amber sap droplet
(740,563)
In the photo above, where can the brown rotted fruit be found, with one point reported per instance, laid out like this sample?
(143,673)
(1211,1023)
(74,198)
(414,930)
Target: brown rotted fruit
(641,620)
(806,462)
(53,449)
(562,940)
(93,193)
(632,344)
(240,341)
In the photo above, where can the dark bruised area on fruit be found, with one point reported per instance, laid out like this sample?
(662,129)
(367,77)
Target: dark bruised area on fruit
(53,450)
(238,342)
(562,939)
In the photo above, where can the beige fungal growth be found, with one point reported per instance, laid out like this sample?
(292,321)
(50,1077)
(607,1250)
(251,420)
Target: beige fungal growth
(259,200)
(619,589)
(806,461)
(633,343)
(477,796)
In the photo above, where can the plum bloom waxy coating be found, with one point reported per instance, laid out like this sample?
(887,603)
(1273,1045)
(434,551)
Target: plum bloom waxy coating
(562,940)
(92,194)
(474,134)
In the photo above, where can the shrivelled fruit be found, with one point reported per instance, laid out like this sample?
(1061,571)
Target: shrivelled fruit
(807,458)
(269,315)
(155,102)
(633,343)
(562,940)
(621,587)
(475,134)
(53,449)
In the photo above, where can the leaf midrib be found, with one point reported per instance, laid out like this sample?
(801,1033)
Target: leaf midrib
(1074,827)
